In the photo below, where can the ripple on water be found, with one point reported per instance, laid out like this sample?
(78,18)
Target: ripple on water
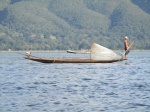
(27,86)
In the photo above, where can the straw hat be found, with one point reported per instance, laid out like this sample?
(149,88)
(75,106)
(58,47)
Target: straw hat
(125,37)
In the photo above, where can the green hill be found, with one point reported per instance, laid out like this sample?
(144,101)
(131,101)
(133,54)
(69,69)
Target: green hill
(73,24)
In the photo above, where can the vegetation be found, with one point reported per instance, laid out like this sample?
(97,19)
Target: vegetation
(73,24)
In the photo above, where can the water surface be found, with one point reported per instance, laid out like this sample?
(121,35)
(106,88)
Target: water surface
(27,86)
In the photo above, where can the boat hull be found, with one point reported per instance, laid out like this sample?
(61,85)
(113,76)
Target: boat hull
(49,60)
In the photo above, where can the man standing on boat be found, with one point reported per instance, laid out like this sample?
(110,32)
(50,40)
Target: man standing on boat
(126,47)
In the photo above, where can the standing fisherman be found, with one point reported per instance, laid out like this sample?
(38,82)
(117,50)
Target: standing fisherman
(126,47)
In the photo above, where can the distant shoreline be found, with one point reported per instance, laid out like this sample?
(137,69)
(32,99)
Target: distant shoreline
(66,51)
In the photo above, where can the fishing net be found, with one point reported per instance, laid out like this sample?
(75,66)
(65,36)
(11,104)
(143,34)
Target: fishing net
(99,52)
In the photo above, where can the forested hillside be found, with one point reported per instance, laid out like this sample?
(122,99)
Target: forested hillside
(73,24)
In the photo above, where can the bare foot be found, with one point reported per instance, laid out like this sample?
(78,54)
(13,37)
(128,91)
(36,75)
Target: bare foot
(125,58)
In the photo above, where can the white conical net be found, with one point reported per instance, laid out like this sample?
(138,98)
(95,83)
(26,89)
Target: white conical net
(99,52)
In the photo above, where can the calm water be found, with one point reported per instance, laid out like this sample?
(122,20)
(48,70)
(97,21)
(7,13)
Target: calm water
(27,86)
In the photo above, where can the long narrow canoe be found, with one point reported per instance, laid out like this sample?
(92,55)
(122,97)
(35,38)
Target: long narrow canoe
(98,54)
(50,60)
(78,52)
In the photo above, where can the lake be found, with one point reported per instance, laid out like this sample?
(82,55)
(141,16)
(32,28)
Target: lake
(28,86)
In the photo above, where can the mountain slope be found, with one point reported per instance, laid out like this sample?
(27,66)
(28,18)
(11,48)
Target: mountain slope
(73,24)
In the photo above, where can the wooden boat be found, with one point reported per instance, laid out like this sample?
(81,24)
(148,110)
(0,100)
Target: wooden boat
(78,52)
(70,51)
(98,54)
(50,60)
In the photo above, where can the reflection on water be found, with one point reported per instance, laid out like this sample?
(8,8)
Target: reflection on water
(27,86)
